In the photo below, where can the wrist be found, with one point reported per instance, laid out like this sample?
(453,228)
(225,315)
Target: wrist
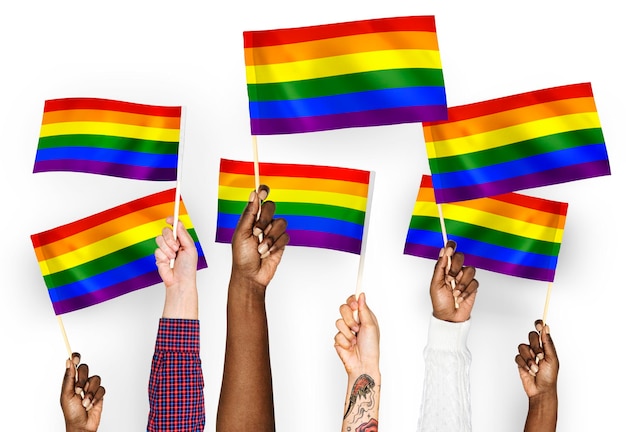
(545,398)
(247,286)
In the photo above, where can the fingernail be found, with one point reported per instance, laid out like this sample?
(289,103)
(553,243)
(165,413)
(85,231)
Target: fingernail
(263,195)
(89,407)
(256,231)
(86,403)
(251,198)
(532,373)
(539,357)
(78,390)
(265,255)
(263,248)
(534,368)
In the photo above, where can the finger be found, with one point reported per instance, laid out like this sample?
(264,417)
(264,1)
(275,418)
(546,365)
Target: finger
(168,235)
(248,217)
(69,379)
(528,356)
(366,315)
(442,263)
(83,375)
(184,238)
(535,346)
(274,237)
(342,342)
(265,216)
(456,265)
(548,345)
(93,383)
(523,366)
(347,315)
(97,398)
(346,331)
(164,248)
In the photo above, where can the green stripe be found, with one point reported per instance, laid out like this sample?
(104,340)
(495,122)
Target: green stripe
(300,209)
(515,151)
(487,235)
(108,142)
(349,83)
(105,263)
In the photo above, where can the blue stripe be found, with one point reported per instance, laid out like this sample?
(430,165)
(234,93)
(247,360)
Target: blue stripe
(485,250)
(349,102)
(107,155)
(521,167)
(305,223)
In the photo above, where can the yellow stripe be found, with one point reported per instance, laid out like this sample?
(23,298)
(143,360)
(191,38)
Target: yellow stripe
(297,196)
(341,65)
(489,220)
(107,246)
(111,129)
(510,135)
(295,183)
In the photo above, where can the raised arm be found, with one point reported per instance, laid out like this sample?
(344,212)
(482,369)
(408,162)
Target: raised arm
(446,390)
(538,367)
(81,397)
(246,396)
(357,344)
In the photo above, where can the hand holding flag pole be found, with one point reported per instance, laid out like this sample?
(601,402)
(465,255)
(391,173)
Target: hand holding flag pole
(445,242)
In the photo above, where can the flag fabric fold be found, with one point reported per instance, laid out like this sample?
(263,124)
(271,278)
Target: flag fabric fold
(518,142)
(108,254)
(512,234)
(109,137)
(352,74)
(324,206)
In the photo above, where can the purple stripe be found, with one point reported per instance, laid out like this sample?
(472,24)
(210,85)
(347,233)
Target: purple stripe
(105,168)
(348,120)
(544,178)
(107,293)
(307,238)
(525,272)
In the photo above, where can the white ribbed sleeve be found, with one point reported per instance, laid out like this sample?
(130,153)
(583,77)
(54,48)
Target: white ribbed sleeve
(446,391)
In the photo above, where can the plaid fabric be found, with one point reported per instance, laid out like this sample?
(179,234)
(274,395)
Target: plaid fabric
(176,382)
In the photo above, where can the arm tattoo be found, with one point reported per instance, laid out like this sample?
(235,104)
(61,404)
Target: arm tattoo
(361,388)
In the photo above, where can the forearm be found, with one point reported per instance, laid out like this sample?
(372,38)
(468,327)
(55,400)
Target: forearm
(176,387)
(362,401)
(446,390)
(542,413)
(247,381)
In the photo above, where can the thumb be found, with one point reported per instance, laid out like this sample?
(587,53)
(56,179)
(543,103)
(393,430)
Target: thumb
(69,380)
(365,314)
(248,217)
(548,345)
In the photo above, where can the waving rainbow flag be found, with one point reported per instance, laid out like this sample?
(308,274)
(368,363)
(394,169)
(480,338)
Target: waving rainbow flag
(517,142)
(324,206)
(512,234)
(352,74)
(108,254)
(108,137)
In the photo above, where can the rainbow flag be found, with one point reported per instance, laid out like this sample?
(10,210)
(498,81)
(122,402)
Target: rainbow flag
(352,74)
(108,137)
(512,234)
(108,254)
(517,142)
(324,207)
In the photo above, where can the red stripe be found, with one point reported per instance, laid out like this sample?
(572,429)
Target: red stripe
(111,105)
(493,106)
(293,170)
(540,204)
(70,229)
(254,39)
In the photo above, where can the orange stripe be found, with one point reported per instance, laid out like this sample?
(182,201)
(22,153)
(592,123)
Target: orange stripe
(105,230)
(341,46)
(508,118)
(87,115)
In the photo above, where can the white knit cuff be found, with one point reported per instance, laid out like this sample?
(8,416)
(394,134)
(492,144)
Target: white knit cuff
(449,336)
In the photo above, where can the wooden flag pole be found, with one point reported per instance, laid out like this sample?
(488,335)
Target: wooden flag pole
(257,176)
(445,242)
(179,171)
(545,307)
(366,223)
(67,342)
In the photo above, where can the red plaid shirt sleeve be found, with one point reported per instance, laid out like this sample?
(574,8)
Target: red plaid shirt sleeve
(176,388)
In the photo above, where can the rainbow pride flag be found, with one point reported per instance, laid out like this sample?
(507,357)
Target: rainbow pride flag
(108,137)
(517,142)
(512,234)
(353,74)
(108,254)
(324,207)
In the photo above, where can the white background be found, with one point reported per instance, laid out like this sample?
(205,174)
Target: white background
(191,53)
